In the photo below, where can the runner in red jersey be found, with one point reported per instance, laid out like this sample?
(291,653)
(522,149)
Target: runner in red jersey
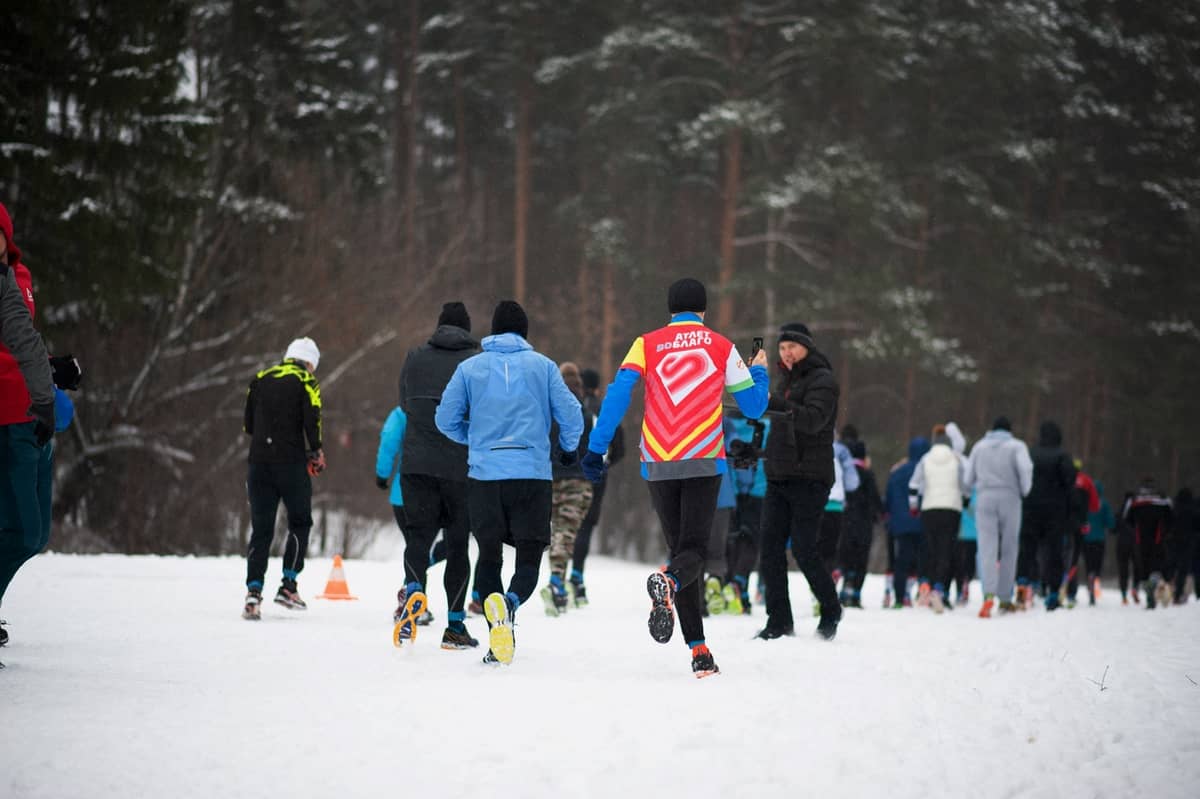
(686,367)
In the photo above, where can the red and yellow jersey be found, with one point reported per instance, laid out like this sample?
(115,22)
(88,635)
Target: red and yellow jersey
(686,367)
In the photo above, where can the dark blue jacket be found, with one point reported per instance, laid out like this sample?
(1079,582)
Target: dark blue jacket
(900,521)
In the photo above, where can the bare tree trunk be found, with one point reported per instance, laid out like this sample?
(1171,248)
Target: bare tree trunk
(910,395)
(844,382)
(731,186)
(772,265)
(410,185)
(523,184)
(608,334)
(460,141)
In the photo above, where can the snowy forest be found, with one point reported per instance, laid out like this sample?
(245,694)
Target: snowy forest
(979,207)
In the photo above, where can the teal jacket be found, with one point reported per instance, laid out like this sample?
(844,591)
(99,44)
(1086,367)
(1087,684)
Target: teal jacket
(391,447)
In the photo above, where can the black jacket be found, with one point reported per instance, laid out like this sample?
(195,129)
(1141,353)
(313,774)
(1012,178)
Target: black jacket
(864,506)
(283,408)
(616,447)
(575,472)
(1053,474)
(427,370)
(803,410)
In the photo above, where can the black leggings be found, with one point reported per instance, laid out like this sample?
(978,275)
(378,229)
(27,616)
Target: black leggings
(432,504)
(513,512)
(829,538)
(583,539)
(965,555)
(940,528)
(855,551)
(744,543)
(686,509)
(1125,558)
(267,484)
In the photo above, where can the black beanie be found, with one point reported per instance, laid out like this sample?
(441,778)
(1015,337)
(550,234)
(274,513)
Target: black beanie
(591,379)
(797,332)
(686,295)
(510,318)
(1002,423)
(455,313)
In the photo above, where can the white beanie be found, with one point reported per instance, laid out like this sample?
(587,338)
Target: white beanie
(958,442)
(304,349)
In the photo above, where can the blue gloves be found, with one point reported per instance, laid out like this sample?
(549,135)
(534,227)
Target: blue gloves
(593,466)
(64,410)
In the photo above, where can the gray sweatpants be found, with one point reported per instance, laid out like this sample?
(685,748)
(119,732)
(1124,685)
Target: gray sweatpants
(998,523)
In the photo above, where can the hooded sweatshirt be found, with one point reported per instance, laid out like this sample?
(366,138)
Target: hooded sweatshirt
(999,467)
(1053,473)
(900,521)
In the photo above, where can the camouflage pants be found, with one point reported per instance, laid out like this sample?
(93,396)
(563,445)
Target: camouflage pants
(572,498)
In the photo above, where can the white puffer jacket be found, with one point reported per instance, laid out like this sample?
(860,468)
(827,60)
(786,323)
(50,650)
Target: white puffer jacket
(938,480)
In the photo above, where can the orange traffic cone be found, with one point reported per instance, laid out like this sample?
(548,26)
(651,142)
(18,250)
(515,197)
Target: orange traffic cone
(336,588)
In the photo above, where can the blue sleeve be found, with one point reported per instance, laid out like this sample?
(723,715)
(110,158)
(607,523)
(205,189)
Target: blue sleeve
(849,473)
(566,409)
(753,401)
(64,410)
(612,411)
(390,443)
(451,414)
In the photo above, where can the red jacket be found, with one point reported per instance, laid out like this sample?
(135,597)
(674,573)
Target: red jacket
(14,396)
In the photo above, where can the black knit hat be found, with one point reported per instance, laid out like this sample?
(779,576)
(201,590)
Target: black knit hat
(685,295)
(1002,423)
(591,379)
(797,332)
(455,313)
(510,318)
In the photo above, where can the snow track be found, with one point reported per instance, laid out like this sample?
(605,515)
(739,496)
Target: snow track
(136,676)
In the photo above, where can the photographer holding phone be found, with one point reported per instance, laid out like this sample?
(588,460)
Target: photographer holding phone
(800,472)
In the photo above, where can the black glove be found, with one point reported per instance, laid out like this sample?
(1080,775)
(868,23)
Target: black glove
(43,429)
(67,374)
(568,458)
(381,483)
(594,466)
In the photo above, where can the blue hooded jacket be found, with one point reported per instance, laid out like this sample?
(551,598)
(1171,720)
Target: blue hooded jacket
(391,448)
(1100,522)
(501,402)
(751,482)
(900,521)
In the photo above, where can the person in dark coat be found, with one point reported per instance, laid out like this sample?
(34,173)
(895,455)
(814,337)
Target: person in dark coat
(433,476)
(903,523)
(1149,513)
(799,467)
(616,452)
(1185,530)
(1046,516)
(864,507)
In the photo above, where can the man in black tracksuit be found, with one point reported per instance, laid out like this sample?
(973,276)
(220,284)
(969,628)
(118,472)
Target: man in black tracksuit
(433,472)
(1046,514)
(283,419)
(799,467)
(616,451)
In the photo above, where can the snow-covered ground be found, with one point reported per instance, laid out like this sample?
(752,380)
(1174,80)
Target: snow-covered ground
(136,676)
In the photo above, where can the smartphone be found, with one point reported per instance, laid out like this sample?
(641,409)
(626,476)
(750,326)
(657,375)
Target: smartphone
(758,345)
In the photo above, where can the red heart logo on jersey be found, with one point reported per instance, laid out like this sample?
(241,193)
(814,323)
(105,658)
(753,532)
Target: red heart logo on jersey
(681,372)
